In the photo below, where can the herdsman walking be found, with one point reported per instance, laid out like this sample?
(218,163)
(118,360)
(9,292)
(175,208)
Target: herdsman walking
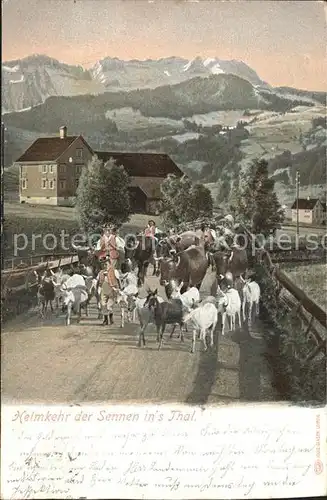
(107,281)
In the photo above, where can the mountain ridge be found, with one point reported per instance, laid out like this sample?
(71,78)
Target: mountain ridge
(31,80)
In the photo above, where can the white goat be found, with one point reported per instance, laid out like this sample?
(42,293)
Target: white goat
(251,297)
(202,319)
(58,279)
(124,299)
(229,305)
(189,299)
(73,298)
(128,279)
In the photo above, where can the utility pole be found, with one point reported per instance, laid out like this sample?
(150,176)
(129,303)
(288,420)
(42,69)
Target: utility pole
(297,203)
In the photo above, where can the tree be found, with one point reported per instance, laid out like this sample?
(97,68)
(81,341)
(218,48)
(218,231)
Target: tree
(184,201)
(224,190)
(102,195)
(254,201)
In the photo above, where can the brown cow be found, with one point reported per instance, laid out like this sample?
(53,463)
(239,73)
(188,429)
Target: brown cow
(189,266)
(177,243)
(236,262)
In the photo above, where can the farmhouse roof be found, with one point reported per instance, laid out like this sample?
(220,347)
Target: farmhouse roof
(149,186)
(48,148)
(143,164)
(305,203)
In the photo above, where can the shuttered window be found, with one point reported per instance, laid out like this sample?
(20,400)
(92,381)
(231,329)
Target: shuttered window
(44,184)
(24,183)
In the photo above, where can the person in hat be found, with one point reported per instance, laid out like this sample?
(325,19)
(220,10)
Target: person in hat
(103,243)
(151,231)
(112,248)
(107,281)
(207,236)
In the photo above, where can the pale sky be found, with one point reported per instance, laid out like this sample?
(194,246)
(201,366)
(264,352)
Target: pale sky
(284,41)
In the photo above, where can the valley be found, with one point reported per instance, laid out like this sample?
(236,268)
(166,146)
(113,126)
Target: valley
(212,123)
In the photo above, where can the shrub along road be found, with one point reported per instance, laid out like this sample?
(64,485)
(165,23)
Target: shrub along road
(44,361)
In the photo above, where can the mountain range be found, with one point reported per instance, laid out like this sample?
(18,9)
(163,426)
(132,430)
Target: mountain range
(30,81)
(171,105)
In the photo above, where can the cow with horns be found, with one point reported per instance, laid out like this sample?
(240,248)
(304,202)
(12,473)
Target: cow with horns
(188,266)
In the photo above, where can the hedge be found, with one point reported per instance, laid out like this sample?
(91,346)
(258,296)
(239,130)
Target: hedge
(294,379)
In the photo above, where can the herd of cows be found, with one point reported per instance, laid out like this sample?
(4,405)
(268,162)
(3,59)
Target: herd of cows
(181,263)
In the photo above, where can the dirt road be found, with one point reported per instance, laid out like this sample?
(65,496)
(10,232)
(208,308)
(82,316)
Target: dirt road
(45,361)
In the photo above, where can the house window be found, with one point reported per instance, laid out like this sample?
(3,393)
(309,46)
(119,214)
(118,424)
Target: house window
(51,185)
(62,168)
(44,183)
(78,169)
(51,169)
(44,169)
(62,184)
(79,153)
(24,183)
(76,183)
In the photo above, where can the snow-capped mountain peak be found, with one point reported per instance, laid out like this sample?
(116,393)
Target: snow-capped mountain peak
(29,81)
(188,65)
(208,61)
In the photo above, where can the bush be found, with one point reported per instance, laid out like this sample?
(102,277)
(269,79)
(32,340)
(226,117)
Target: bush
(294,379)
(184,201)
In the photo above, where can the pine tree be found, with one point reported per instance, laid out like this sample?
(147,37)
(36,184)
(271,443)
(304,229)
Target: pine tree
(255,202)
(202,202)
(102,196)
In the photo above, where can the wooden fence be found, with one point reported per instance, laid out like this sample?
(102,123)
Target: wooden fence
(18,286)
(312,316)
(19,278)
(33,260)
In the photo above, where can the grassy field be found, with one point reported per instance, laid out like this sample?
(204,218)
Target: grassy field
(11,178)
(312,278)
(23,219)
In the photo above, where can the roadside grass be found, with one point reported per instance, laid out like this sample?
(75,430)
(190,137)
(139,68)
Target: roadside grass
(40,221)
(311,278)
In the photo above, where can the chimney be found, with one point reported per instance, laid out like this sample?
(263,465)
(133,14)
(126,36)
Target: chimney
(63,132)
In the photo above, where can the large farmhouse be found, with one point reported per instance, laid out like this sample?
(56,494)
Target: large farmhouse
(146,171)
(50,169)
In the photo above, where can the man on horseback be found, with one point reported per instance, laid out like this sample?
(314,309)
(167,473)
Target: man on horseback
(102,244)
(113,249)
